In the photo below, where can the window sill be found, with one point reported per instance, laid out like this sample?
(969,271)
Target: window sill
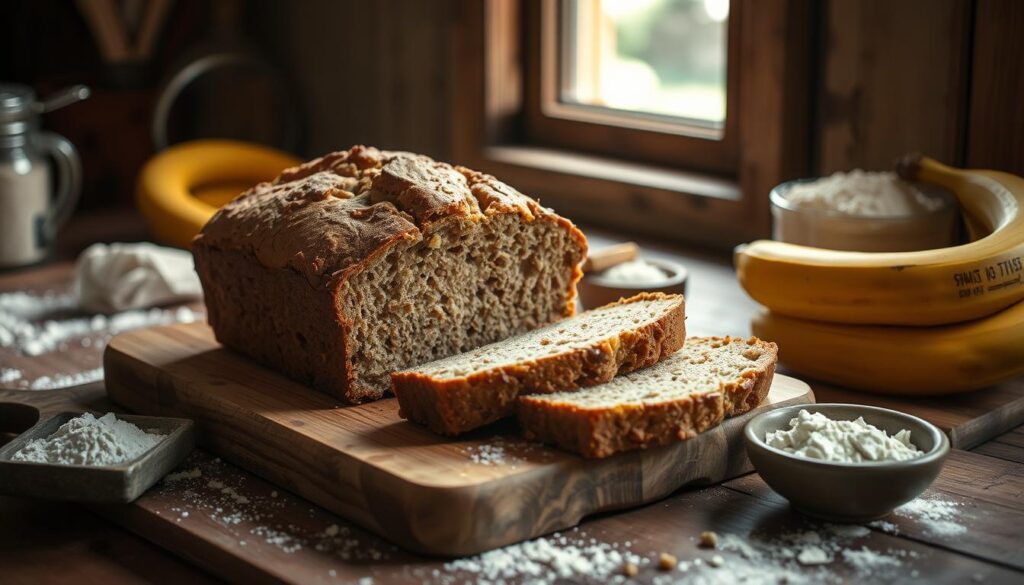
(635,175)
(636,198)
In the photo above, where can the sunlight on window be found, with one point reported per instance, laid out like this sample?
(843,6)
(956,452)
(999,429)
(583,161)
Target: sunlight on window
(664,57)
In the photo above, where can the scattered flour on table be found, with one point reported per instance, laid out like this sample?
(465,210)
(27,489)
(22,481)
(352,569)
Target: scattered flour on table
(866,562)
(8,375)
(885,526)
(805,556)
(545,561)
(488,454)
(193,473)
(35,324)
(499,451)
(938,517)
(253,515)
(65,380)
(87,440)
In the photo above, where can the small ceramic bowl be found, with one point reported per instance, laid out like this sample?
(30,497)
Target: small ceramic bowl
(847,492)
(596,290)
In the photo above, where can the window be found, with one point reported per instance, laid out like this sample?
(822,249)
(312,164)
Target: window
(649,73)
(647,59)
(667,117)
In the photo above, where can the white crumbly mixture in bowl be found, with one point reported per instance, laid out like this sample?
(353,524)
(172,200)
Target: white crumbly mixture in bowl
(815,436)
(635,272)
(861,193)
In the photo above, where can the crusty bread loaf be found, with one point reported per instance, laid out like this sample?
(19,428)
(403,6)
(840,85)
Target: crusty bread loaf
(462,392)
(687,393)
(363,262)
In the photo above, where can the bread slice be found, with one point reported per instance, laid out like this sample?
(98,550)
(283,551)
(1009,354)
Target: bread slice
(687,393)
(460,393)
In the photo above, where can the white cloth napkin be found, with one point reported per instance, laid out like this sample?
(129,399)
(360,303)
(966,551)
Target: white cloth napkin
(118,277)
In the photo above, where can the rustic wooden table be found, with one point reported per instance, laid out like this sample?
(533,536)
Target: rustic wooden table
(42,542)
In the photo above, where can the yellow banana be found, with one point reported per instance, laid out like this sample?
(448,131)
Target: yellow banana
(902,360)
(930,287)
(181,187)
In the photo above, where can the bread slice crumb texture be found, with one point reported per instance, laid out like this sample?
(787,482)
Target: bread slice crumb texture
(692,390)
(705,364)
(579,332)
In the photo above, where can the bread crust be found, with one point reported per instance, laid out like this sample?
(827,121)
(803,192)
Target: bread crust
(318,225)
(457,405)
(597,433)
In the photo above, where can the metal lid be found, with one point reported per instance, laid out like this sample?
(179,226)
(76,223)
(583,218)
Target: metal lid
(17,102)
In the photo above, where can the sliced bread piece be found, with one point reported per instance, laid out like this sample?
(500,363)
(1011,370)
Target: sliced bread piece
(687,393)
(460,393)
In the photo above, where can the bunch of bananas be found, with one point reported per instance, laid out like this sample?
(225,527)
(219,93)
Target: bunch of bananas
(927,322)
(180,188)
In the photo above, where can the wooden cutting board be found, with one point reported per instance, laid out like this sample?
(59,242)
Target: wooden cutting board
(425,493)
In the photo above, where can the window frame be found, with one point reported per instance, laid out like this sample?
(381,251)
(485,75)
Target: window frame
(491,87)
(601,131)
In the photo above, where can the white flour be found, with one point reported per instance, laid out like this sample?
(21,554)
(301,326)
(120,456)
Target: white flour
(210,488)
(635,272)
(861,193)
(816,436)
(488,455)
(806,556)
(55,381)
(545,561)
(500,451)
(27,323)
(866,562)
(8,375)
(937,517)
(35,324)
(87,440)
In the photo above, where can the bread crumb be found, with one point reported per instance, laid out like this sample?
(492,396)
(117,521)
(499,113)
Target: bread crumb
(630,569)
(434,242)
(666,561)
(708,539)
(716,561)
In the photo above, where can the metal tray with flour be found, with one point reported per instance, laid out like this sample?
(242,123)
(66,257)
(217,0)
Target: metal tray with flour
(92,483)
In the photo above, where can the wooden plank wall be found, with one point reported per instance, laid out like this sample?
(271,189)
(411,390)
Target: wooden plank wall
(893,80)
(995,135)
(376,73)
(941,77)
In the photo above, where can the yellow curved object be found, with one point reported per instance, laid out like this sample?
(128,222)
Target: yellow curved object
(902,360)
(181,187)
(930,287)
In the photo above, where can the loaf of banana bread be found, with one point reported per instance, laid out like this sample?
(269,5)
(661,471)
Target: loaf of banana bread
(364,262)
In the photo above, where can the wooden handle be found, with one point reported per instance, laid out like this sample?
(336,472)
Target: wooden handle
(605,258)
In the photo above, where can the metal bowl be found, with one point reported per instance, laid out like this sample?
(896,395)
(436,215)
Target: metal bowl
(834,230)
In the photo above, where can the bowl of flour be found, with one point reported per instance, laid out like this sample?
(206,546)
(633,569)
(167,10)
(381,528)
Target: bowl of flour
(864,211)
(845,462)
